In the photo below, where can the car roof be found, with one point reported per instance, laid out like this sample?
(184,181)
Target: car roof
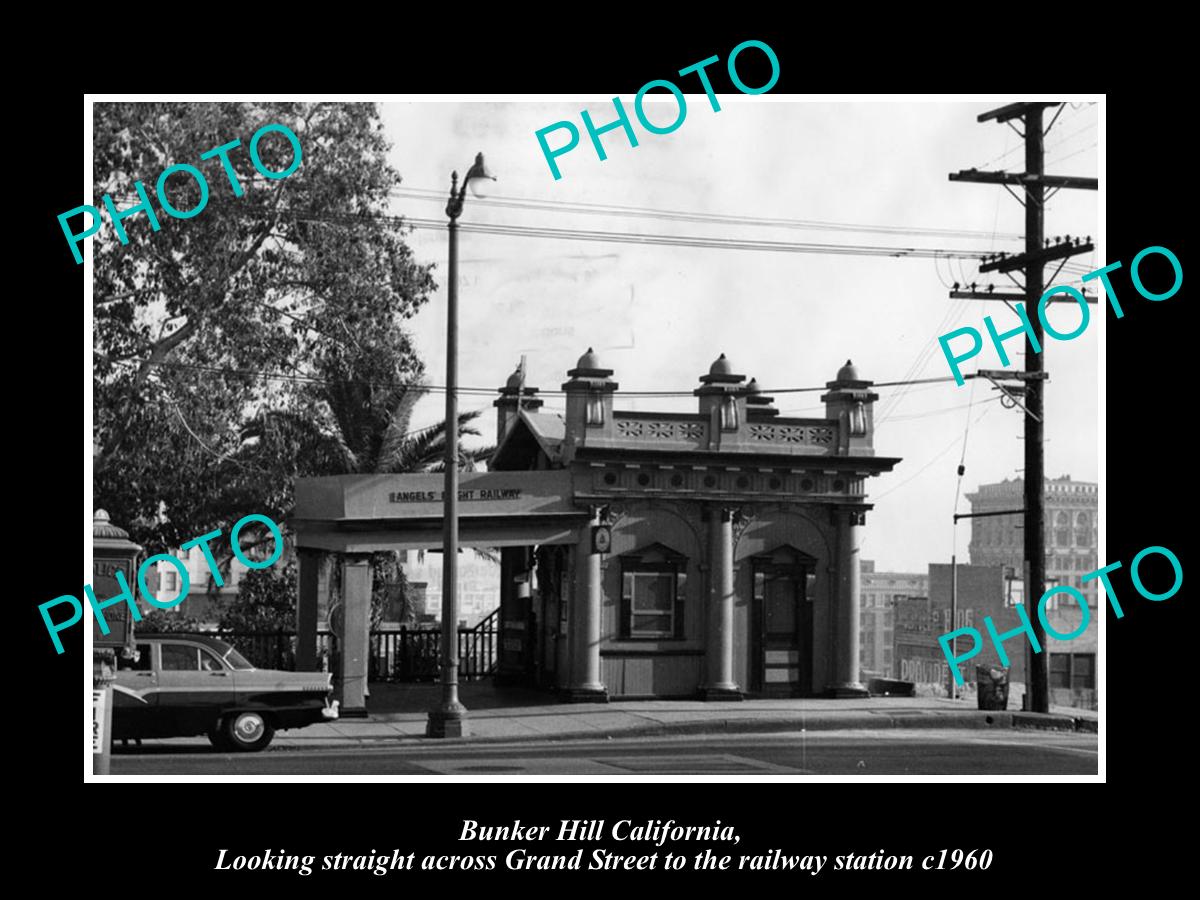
(208,640)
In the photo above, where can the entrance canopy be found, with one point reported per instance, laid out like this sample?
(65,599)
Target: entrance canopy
(365,513)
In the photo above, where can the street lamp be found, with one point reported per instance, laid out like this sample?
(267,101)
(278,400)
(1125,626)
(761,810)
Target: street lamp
(448,719)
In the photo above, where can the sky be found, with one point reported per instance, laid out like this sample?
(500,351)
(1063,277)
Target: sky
(659,315)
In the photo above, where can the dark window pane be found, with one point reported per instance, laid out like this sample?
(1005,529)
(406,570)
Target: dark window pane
(178,658)
(653,593)
(1060,670)
(781,606)
(651,624)
(1084,674)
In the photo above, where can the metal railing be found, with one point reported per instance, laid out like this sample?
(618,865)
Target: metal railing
(403,654)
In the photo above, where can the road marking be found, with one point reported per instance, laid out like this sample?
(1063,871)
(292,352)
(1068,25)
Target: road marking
(694,762)
(517,766)
(1031,745)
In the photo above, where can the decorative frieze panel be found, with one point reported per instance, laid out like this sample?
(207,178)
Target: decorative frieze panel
(792,434)
(660,430)
(683,481)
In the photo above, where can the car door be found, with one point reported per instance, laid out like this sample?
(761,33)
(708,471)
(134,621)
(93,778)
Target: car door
(194,687)
(135,692)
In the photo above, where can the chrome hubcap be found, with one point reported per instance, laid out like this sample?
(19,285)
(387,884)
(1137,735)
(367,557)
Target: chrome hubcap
(249,727)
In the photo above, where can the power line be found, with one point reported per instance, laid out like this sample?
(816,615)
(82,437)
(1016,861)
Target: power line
(937,412)
(1069,155)
(934,459)
(691,241)
(701,242)
(490,392)
(617,210)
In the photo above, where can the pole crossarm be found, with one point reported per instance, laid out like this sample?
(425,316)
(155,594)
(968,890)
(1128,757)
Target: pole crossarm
(1013,111)
(1038,257)
(990,295)
(1014,375)
(1026,178)
(1011,394)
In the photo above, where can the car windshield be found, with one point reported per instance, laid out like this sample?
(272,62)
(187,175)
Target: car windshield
(232,658)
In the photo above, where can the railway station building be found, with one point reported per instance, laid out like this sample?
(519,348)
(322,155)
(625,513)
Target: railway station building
(711,554)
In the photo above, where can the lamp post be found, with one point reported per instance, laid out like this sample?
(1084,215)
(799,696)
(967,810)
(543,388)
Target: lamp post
(448,718)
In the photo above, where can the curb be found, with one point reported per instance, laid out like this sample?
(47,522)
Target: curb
(739,725)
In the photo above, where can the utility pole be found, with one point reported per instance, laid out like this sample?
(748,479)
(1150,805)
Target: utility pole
(1037,253)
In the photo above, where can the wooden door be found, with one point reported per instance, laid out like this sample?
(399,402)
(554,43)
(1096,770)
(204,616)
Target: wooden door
(783,653)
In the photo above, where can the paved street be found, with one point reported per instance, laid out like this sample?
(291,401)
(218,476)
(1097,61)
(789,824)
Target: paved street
(890,752)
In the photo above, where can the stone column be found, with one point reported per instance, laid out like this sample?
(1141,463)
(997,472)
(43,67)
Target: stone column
(719,683)
(846,669)
(586,686)
(354,643)
(306,610)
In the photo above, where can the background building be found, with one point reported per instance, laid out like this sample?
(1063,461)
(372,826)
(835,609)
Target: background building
(200,604)
(982,592)
(1071,536)
(882,593)
(1071,552)
(711,553)
(478,585)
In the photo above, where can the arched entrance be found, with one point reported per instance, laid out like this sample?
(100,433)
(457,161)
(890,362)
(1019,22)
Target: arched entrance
(781,646)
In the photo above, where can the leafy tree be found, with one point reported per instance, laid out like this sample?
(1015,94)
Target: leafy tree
(266,601)
(161,621)
(297,277)
(359,422)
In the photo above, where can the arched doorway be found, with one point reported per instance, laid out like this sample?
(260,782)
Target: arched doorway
(781,651)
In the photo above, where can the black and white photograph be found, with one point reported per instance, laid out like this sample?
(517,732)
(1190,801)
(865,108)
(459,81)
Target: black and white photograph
(697,432)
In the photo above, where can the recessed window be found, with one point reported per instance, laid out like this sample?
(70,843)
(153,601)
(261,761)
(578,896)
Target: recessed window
(653,595)
(839,485)
(643,479)
(610,477)
(710,481)
(743,482)
(776,483)
(676,480)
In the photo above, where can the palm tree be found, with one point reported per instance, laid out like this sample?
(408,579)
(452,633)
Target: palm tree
(357,421)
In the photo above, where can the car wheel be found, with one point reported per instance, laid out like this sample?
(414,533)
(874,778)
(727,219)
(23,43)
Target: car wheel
(247,731)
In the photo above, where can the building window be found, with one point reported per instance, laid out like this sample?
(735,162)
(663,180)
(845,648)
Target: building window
(1083,671)
(170,580)
(1060,670)
(653,586)
(1073,671)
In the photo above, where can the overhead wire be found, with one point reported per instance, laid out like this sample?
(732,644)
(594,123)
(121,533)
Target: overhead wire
(932,460)
(483,391)
(618,210)
(600,235)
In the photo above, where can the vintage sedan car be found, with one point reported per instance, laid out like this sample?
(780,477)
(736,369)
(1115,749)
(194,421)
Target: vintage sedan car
(177,685)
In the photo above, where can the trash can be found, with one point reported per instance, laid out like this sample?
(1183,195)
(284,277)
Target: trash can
(992,683)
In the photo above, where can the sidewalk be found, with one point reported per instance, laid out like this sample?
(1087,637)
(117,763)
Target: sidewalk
(398,714)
